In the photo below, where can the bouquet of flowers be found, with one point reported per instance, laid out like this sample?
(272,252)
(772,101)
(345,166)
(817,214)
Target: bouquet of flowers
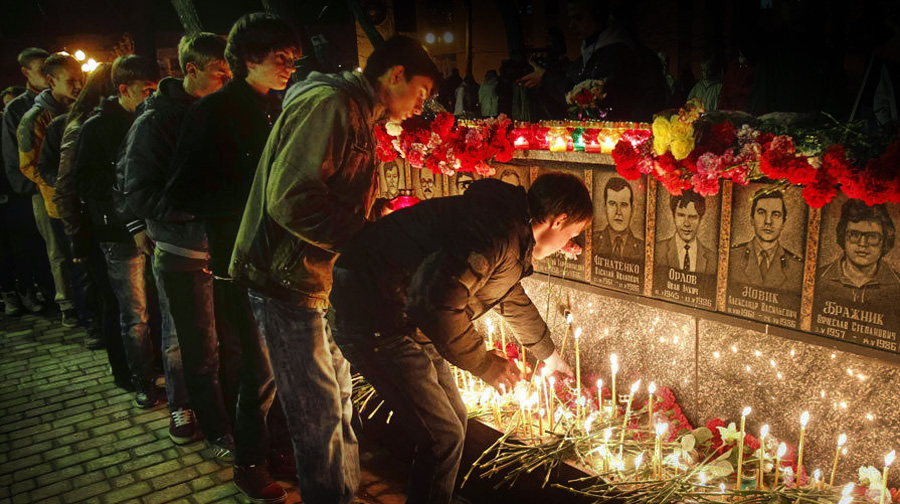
(584,99)
(444,146)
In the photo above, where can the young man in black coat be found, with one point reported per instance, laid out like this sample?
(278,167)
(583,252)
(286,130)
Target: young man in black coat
(222,137)
(434,268)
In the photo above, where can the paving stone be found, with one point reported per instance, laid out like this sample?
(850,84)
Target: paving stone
(83,492)
(56,453)
(32,472)
(167,494)
(201,483)
(35,429)
(113,459)
(63,474)
(173,478)
(21,487)
(112,427)
(89,478)
(153,447)
(215,493)
(95,441)
(53,433)
(141,462)
(22,463)
(123,480)
(76,458)
(129,492)
(50,490)
(124,444)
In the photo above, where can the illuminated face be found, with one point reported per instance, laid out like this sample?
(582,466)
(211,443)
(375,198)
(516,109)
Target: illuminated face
(407,98)
(67,83)
(768,219)
(392,178)
(553,238)
(426,182)
(133,94)
(211,78)
(618,208)
(34,75)
(463,181)
(864,243)
(274,71)
(511,177)
(687,222)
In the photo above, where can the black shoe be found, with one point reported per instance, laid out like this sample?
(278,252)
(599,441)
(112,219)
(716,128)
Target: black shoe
(12,305)
(257,485)
(124,384)
(93,340)
(146,396)
(222,450)
(69,318)
(31,303)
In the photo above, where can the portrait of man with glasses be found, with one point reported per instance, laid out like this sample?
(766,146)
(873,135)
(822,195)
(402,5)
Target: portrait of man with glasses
(856,293)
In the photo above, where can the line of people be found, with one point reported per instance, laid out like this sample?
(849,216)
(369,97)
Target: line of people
(243,203)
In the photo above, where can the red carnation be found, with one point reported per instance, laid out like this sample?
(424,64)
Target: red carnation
(626,159)
(821,191)
(718,137)
(443,123)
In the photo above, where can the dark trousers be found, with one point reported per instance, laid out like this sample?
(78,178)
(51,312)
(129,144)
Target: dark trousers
(314,388)
(84,293)
(190,295)
(256,386)
(417,384)
(23,256)
(107,321)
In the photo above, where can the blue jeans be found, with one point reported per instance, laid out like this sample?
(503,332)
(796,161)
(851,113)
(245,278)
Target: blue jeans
(176,390)
(314,386)
(125,265)
(417,385)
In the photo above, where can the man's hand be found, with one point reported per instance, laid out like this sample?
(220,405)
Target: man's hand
(144,243)
(502,375)
(555,364)
(532,80)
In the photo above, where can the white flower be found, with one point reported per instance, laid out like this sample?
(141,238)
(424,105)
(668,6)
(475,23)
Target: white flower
(729,434)
(393,128)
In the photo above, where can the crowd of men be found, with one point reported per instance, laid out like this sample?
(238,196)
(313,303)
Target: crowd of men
(227,208)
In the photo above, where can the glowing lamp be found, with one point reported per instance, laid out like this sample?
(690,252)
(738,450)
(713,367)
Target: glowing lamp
(521,143)
(448,37)
(607,144)
(430,38)
(402,202)
(558,144)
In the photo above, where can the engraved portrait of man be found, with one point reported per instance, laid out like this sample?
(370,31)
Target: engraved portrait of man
(617,239)
(764,261)
(511,177)
(463,181)
(426,183)
(391,179)
(682,251)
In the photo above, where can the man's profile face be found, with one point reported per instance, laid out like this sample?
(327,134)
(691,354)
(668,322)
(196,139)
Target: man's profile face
(863,243)
(211,78)
(581,19)
(34,75)
(136,92)
(463,181)
(618,208)
(426,182)
(275,70)
(768,219)
(392,178)
(687,221)
(406,98)
(511,177)
(67,82)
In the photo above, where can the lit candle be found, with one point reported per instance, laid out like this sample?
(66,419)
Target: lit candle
(502,339)
(651,390)
(607,144)
(845,494)
(760,481)
(804,419)
(490,329)
(837,453)
(661,429)
(551,393)
(817,476)
(562,348)
(600,396)
(637,462)
(606,435)
(541,425)
(634,388)
(782,449)
(614,366)
(557,143)
(888,460)
(497,418)
(577,336)
(593,146)
(740,460)
(521,143)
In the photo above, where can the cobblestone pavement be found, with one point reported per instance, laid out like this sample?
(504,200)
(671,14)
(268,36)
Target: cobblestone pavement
(69,435)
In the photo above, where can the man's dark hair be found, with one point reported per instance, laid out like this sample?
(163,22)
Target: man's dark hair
(686,198)
(57,62)
(773,195)
(402,51)
(27,56)
(11,90)
(857,211)
(200,49)
(556,193)
(132,68)
(253,37)
(97,87)
(617,184)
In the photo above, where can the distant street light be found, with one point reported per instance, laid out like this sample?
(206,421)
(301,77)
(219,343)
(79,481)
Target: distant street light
(448,37)
(79,55)
(430,38)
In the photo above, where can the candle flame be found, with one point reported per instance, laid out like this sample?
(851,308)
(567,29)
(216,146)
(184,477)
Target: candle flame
(702,477)
(804,418)
(842,439)
(652,388)
(746,411)
(889,458)
(638,460)
(599,387)
(635,386)
(722,487)
(817,474)
(848,489)
(552,381)
(606,435)
(569,318)
(661,428)
(764,431)
(577,332)
(782,449)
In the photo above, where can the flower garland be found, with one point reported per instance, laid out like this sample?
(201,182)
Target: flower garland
(445,147)
(584,99)
(690,150)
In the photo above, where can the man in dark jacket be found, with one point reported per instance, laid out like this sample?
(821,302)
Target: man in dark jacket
(313,190)
(180,249)
(64,75)
(26,259)
(435,267)
(222,137)
(94,178)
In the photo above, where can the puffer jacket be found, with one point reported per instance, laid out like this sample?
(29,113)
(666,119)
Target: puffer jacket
(145,167)
(94,173)
(313,190)
(30,136)
(12,116)
(222,137)
(439,265)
